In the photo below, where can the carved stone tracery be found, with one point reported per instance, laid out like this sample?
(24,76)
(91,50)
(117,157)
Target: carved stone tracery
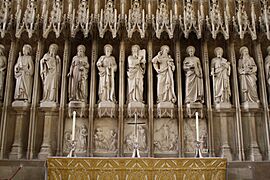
(242,23)
(164,20)
(215,22)
(5,17)
(55,21)
(136,20)
(29,21)
(83,21)
(108,20)
(189,22)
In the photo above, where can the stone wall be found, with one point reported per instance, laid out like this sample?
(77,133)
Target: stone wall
(34,128)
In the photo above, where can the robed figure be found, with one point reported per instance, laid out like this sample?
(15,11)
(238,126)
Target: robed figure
(78,76)
(220,71)
(107,67)
(3,67)
(50,72)
(164,65)
(247,70)
(267,69)
(23,71)
(136,70)
(194,77)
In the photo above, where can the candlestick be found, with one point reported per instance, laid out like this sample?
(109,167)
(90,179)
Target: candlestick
(73,125)
(197,126)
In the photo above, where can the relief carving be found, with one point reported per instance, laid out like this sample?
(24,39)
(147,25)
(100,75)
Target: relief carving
(3,69)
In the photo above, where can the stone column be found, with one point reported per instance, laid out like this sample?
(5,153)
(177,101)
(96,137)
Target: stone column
(150,99)
(121,97)
(179,98)
(18,148)
(92,98)
(235,93)
(63,97)
(49,133)
(225,147)
(263,92)
(35,100)
(207,99)
(8,98)
(253,153)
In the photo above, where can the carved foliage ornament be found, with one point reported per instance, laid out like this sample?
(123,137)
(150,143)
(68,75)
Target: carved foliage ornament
(5,17)
(215,22)
(83,21)
(164,20)
(56,19)
(189,22)
(29,21)
(241,22)
(107,20)
(265,18)
(136,20)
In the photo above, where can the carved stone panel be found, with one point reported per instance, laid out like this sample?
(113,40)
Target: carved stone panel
(130,136)
(105,136)
(190,135)
(165,136)
(81,136)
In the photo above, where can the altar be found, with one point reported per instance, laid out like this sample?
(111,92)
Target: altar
(136,168)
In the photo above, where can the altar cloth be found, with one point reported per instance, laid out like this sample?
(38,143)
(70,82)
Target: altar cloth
(136,168)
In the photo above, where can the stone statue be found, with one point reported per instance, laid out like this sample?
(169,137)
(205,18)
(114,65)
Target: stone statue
(247,70)
(112,140)
(50,72)
(23,71)
(83,137)
(164,65)
(107,67)
(78,75)
(100,141)
(3,67)
(267,68)
(136,70)
(220,71)
(194,77)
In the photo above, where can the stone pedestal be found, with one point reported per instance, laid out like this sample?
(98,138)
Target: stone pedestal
(49,135)
(250,105)
(191,108)
(48,104)
(18,148)
(18,104)
(106,109)
(78,106)
(223,105)
(165,109)
(136,108)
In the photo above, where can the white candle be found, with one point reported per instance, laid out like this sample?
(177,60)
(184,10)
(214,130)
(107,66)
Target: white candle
(197,126)
(149,9)
(73,125)
(175,8)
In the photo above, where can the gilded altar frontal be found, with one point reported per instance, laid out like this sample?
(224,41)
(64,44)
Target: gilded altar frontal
(111,60)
